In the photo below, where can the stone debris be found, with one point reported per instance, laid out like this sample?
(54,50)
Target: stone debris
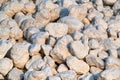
(59,39)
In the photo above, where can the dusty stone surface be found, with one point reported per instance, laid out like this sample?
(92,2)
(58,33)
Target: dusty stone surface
(79,66)
(59,39)
(5,65)
(15,74)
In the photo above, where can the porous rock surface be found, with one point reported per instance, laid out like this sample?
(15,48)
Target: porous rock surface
(59,39)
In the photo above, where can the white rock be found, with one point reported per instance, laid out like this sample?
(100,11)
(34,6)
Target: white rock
(73,23)
(109,2)
(49,61)
(5,65)
(77,35)
(79,12)
(46,49)
(1,77)
(57,29)
(62,68)
(15,74)
(67,3)
(34,49)
(111,74)
(60,53)
(103,55)
(113,52)
(79,66)
(19,54)
(86,77)
(39,38)
(93,44)
(78,49)
(53,78)
(94,61)
(112,62)
(67,75)
(5,46)
(35,63)
(2,15)
(51,41)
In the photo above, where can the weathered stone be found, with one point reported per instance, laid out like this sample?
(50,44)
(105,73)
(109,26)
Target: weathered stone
(5,46)
(67,75)
(19,54)
(109,2)
(78,49)
(35,63)
(15,74)
(113,52)
(73,23)
(111,74)
(57,29)
(93,44)
(59,53)
(5,65)
(49,61)
(53,78)
(112,62)
(79,66)
(34,49)
(62,68)
(51,41)
(95,61)
(39,38)
(103,55)
(86,77)
(77,35)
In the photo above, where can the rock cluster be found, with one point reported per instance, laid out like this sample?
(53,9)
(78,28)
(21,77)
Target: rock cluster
(59,39)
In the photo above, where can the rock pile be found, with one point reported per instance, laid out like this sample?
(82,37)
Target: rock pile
(59,39)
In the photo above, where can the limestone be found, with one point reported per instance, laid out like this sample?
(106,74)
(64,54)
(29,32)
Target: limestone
(109,2)
(15,74)
(51,41)
(86,77)
(77,35)
(35,63)
(39,38)
(19,54)
(103,55)
(112,62)
(49,61)
(57,29)
(5,46)
(94,61)
(78,49)
(59,53)
(79,12)
(43,16)
(93,44)
(67,75)
(79,66)
(34,49)
(73,23)
(62,68)
(10,8)
(6,65)
(111,74)
(30,31)
(53,78)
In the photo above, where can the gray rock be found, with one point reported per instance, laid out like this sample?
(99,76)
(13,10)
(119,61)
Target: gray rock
(78,49)
(79,66)
(73,23)
(95,61)
(5,46)
(15,74)
(111,74)
(19,54)
(67,75)
(5,66)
